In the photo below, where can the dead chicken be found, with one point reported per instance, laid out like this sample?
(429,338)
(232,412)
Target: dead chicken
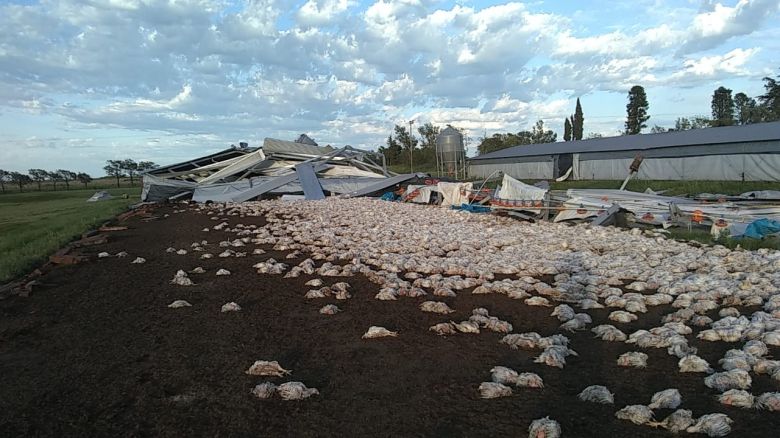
(694,364)
(666,399)
(554,356)
(738,398)
(267,368)
(544,428)
(714,425)
(622,316)
(181,279)
(676,422)
(494,390)
(637,414)
(564,312)
(733,379)
(317,293)
(387,294)
(503,375)
(295,391)
(444,292)
(525,341)
(222,272)
(443,328)
(466,326)
(496,325)
(609,332)
(178,304)
(181,252)
(579,322)
(529,380)
(378,332)
(264,390)
(314,282)
(230,307)
(435,307)
(537,301)
(138,261)
(329,309)
(769,400)
(597,394)
(341,290)
(198,270)
(635,359)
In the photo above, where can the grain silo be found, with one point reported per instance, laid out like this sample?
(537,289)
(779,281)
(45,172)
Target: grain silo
(450,153)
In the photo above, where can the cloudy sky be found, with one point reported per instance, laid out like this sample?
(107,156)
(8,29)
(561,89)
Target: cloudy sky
(83,81)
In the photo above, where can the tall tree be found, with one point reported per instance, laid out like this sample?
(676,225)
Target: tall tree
(54,177)
(130,168)
(428,133)
(745,108)
(657,129)
(636,110)
(66,176)
(578,122)
(84,178)
(20,179)
(38,175)
(770,100)
(114,168)
(567,130)
(392,151)
(145,166)
(696,122)
(541,135)
(405,138)
(722,107)
(5,176)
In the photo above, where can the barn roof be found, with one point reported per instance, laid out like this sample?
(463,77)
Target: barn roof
(722,135)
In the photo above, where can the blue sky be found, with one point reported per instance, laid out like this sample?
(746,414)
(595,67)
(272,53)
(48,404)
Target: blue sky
(85,81)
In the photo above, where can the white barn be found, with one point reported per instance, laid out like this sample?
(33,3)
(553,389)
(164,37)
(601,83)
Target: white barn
(731,153)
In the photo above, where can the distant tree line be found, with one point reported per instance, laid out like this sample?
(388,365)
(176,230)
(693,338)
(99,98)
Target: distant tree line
(119,169)
(402,147)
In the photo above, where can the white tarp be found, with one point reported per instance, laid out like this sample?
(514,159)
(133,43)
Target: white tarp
(452,193)
(515,190)
(423,195)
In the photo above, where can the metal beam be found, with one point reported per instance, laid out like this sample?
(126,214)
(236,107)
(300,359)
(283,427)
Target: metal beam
(309,182)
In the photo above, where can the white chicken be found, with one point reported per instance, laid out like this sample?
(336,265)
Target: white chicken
(637,414)
(329,309)
(733,379)
(230,307)
(504,375)
(694,364)
(494,390)
(264,390)
(378,332)
(295,391)
(529,380)
(435,307)
(597,394)
(769,400)
(738,398)
(544,428)
(635,359)
(267,368)
(676,422)
(179,304)
(714,425)
(666,399)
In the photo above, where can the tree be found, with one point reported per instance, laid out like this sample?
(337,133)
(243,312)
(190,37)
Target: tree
(540,135)
(770,100)
(145,166)
(21,179)
(636,110)
(54,177)
(567,130)
(114,168)
(428,133)
(594,135)
(745,108)
(39,176)
(130,167)
(66,176)
(696,122)
(577,122)
(5,177)
(84,178)
(657,129)
(392,151)
(405,138)
(722,107)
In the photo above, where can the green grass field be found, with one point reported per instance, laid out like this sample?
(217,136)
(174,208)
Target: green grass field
(35,224)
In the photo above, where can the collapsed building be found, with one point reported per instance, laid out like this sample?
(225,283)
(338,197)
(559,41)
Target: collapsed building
(276,168)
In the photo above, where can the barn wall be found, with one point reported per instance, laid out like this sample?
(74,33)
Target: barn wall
(526,170)
(756,167)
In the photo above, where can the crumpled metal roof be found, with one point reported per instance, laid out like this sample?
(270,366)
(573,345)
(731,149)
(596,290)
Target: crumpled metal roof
(727,134)
(273,145)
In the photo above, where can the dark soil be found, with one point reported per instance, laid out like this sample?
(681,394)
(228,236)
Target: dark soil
(97,352)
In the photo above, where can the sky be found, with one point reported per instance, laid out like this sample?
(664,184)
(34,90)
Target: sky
(82,82)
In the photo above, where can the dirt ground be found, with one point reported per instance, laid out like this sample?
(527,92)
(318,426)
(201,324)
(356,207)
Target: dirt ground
(97,352)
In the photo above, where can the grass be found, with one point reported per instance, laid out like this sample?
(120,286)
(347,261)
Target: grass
(35,224)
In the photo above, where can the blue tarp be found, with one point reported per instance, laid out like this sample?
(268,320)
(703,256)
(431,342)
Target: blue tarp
(760,228)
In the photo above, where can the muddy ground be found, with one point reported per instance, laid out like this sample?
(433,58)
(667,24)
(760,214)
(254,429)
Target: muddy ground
(97,352)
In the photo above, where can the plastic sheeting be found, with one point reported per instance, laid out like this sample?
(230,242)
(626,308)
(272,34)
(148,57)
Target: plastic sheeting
(517,190)
(423,195)
(452,193)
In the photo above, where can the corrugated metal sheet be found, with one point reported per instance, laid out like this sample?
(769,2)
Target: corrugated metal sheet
(272,145)
(758,132)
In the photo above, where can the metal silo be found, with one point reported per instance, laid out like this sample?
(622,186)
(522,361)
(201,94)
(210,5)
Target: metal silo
(450,153)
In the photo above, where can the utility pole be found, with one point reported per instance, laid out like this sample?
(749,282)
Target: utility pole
(411,148)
